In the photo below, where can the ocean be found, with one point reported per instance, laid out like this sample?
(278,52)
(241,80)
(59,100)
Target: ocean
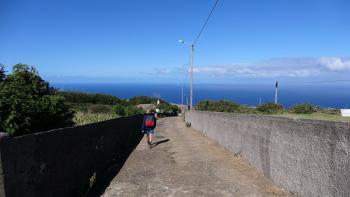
(325,95)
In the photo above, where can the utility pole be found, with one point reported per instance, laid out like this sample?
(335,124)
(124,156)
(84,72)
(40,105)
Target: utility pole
(276,92)
(191,76)
(260,101)
(191,69)
(182,95)
(186,103)
(192,49)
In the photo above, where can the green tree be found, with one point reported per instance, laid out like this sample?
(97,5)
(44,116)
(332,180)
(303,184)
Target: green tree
(28,104)
(132,110)
(127,110)
(119,110)
(2,72)
(91,98)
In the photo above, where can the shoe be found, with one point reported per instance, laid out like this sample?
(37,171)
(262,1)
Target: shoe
(149,144)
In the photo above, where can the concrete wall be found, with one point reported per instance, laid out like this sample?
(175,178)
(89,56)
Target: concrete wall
(307,157)
(61,162)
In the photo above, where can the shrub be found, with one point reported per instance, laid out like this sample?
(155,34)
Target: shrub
(327,110)
(100,108)
(168,108)
(127,110)
(119,110)
(219,106)
(132,110)
(2,72)
(28,104)
(82,118)
(270,108)
(80,97)
(304,108)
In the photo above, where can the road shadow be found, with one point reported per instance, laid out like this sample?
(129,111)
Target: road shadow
(159,142)
(104,178)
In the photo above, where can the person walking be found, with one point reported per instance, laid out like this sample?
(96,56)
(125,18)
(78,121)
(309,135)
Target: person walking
(148,125)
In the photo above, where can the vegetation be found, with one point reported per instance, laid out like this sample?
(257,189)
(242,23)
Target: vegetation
(219,106)
(316,116)
(270,108)
(145,100)
(165,106)
(127,110)
(168,108)
(297,111)
(327,110)
(82,118)
(28,104)
(26,100)
(2,72)
(97,107)
(80,97)
(305,108)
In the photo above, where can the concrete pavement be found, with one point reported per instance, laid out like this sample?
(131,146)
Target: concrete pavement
(185,163)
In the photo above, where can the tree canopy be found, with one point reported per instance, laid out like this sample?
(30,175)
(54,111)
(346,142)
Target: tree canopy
(28,104)
(80,97)
(2,72)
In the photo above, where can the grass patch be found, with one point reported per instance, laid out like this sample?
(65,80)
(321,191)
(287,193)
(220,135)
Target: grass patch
(86,117)
(316,116)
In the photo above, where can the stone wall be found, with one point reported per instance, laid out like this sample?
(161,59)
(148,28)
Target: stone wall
(307,157)
(65,162)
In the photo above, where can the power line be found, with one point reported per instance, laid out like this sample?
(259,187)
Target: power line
(205,23)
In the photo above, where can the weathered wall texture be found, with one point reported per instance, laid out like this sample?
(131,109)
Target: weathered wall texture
(61,162)
(307,157)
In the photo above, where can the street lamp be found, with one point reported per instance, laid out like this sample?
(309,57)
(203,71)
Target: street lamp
(191,70)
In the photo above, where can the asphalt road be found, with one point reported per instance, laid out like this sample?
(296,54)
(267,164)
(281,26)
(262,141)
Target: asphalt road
(183,162)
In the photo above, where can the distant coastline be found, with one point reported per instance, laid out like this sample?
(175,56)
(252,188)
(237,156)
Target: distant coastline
(336,96)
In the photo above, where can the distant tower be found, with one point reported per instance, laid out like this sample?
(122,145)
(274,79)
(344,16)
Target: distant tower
(187,106)
(182,95)
(260,101)
(276,92)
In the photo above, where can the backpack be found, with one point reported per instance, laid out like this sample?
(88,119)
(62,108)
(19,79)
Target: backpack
(149,121)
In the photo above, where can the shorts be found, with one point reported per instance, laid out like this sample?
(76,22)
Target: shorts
(149,131)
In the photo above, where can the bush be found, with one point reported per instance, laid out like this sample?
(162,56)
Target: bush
(28,104)
(100,108)
(270,108)
(80,97)
(168,108)
(119,110)
(2,72)
(219,106)
(128,110)
(328,110)
(304,108)
(82,118)
(132,110)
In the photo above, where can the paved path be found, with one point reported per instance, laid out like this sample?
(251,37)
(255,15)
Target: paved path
(187,164)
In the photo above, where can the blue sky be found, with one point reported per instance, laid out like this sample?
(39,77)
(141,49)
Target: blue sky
(246,41)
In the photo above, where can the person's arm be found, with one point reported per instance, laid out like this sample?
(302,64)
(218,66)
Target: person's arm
(155,121)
